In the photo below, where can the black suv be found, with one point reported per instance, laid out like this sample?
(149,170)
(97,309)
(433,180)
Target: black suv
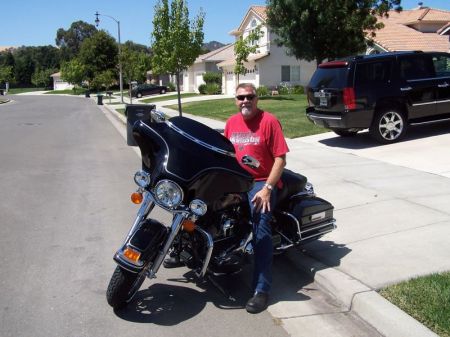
(383,92)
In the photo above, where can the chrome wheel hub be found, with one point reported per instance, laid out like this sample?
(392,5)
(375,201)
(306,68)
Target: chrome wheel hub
(391,125)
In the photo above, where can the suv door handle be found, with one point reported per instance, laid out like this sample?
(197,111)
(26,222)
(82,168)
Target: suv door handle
(443,85)
(405,89)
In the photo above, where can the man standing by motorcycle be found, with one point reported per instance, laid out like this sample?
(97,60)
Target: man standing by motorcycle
(259,134)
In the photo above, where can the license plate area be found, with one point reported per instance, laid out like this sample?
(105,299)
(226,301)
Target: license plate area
(323,97)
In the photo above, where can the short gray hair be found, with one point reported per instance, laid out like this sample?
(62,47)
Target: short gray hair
(246,85)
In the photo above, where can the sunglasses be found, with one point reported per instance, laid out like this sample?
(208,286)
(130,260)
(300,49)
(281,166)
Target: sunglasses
(242,97)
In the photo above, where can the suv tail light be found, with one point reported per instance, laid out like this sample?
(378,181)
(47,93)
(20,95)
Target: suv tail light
(349,98)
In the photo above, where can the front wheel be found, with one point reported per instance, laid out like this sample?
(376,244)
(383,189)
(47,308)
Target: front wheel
(388,126)
(138,95)
(123,286)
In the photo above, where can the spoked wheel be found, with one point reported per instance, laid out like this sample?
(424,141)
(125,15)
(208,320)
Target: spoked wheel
(123,286)
(389,126)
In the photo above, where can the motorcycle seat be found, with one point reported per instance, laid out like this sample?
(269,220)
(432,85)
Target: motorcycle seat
(293,183)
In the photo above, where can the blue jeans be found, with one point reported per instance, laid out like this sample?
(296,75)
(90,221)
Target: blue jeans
(262,241)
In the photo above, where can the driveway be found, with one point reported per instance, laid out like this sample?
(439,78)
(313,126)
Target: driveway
(425,148)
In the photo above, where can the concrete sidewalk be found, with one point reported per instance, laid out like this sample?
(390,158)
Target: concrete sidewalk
(393,224)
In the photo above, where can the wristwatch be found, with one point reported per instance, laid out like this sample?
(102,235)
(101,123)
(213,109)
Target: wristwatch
(268,186)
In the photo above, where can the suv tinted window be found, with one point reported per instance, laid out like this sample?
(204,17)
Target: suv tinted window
(416,67)
(373,73)
(329,78)
(441,65)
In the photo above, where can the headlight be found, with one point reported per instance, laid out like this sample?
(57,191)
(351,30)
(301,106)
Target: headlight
(142,179)
(168,193)
(198,207)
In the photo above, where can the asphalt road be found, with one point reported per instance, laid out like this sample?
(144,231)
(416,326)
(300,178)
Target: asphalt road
(66,176)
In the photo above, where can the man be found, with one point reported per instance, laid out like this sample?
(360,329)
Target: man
(258,133)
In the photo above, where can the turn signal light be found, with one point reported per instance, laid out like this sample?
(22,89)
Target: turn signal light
(131,254)
(188,225)
(137,198)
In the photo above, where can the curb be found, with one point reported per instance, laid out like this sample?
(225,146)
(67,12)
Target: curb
(374,309)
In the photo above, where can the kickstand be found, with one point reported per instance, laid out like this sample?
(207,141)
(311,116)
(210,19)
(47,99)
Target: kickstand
(220,288)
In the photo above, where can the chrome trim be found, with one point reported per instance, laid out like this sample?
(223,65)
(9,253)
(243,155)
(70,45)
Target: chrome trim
(174,229)
(198,141)
(426,103)
(443,85)
(430,122)
(443,101)
(296,222)
(147,206)
(210,245)
(324,117)
(406,89)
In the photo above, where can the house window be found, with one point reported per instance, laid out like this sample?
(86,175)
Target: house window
(290,73)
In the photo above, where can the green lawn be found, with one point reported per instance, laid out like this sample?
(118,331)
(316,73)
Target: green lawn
(289,109)
(427,299)
(77,91)
(167,98)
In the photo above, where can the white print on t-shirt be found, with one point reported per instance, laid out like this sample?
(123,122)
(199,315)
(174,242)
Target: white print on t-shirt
(244,138)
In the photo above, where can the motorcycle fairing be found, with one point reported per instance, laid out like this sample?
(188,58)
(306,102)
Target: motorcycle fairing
(195,156)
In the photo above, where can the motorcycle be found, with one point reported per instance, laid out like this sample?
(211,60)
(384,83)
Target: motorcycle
(191,171)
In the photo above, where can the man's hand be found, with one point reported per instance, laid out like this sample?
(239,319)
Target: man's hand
(261,200)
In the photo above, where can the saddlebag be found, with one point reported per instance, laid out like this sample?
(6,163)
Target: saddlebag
(306,218)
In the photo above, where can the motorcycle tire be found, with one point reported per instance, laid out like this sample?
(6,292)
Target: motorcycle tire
(123,286)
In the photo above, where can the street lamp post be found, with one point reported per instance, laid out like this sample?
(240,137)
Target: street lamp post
(97,21)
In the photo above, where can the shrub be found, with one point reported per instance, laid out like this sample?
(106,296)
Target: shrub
(213,89)
(202,89)
(171,86)
(298,89)
(212,77)
(262,91)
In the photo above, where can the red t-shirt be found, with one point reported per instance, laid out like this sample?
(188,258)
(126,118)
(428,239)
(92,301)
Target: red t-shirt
(260,137)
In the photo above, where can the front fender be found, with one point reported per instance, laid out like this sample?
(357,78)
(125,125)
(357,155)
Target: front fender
(146,242)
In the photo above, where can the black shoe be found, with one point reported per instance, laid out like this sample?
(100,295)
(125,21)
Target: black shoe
(172,262)
(257,303)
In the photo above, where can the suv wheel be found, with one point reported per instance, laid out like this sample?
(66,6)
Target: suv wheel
(345,132)
(388,126)
(139,95)
(163,91)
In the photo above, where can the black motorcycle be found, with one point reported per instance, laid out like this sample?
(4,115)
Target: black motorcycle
(191,171)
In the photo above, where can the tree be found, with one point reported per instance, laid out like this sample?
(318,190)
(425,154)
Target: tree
(41,78)
(6,74)
(98,53)
(135,64)
(70,40)
(243,47)
(104,79)
(74,72)
(318,29)
(177,41)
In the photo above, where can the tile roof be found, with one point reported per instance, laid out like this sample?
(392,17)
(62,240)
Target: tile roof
(396,35)
(260,11)
(219,54)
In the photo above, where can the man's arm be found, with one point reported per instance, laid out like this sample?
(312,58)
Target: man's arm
(262,198)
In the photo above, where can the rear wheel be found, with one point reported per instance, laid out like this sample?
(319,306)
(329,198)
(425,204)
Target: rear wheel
(388,126)
(138,95)
(345,132)
(123,286)
(163,91)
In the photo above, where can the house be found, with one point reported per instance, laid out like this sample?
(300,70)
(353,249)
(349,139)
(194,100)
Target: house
(60,84)
(193,76)
(421,28)
(270,65)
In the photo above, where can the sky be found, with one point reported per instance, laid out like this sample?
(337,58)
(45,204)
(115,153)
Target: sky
(35,22)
